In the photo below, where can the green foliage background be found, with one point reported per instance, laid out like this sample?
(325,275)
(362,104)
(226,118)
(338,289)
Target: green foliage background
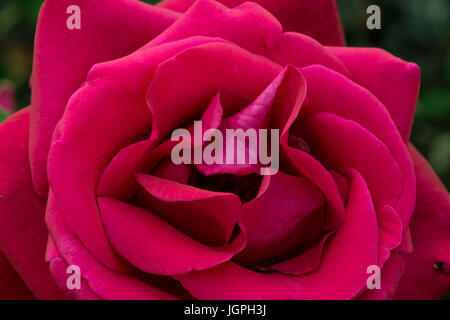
(415,30)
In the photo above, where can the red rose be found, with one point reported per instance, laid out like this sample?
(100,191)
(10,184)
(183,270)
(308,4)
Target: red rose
(88,182)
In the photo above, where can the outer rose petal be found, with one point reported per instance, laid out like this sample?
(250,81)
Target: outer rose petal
(109,30)
(430,231)
(23,234)
(318,19)
(394,81)
(249,26)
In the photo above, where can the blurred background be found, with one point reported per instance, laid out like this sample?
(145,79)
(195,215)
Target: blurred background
(414,30)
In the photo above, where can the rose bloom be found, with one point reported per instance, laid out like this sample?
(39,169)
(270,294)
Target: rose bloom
(86,177)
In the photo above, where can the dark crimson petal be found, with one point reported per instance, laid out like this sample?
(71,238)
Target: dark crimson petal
(285,218)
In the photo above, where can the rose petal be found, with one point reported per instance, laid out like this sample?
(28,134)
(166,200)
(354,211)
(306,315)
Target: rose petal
(301,51)
(395,82)
(23,235)
(341,144)
(302,163)
(189,208)
(160,248)
(275,108)
(329,91)
(427,274)
(108,113)
(391,274)
(318,19)
(285,218)
(306,261)
(249,25)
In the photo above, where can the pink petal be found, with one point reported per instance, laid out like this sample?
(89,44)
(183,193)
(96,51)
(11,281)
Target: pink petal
(63,57)
(160,249)
(285,218)
(318,19)
(23,235)
(427,274)
(189,209)
(395,82)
